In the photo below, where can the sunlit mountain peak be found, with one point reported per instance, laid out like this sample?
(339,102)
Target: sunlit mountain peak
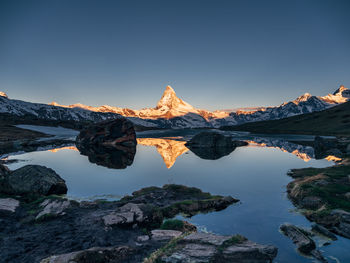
(169,101)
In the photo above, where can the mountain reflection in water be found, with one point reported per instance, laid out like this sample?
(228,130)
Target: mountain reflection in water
(170,149)
(167,148)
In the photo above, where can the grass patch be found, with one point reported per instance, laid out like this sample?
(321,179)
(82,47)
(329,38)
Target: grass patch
(234,240)
(172,224)
(167,249)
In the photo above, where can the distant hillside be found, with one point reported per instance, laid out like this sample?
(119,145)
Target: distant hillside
(332,121)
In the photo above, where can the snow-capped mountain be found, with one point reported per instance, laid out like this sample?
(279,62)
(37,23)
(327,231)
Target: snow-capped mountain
(173,112)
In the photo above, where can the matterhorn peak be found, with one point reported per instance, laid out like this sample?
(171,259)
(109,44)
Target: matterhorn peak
(169,101)
(169,89)
(3,94)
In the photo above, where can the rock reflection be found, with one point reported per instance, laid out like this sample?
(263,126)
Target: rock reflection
(116,157)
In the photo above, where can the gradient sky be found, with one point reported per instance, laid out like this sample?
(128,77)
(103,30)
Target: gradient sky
(215,54)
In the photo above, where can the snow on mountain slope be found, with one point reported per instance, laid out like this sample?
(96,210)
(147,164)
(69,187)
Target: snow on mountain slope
(173,112)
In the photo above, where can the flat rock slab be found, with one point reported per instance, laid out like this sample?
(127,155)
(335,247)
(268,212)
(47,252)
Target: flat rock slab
(8,204)
(53,207)
(160,235)
(95,255)
(205,247)
(192,253)
(206,238)
(303,242)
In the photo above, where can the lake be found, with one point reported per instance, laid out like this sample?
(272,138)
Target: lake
(255,174)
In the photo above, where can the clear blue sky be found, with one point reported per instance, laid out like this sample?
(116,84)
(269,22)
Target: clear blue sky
(215,54)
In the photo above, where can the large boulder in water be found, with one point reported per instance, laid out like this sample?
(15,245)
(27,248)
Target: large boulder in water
(33,180)
(110,143)
(109,133)
(211,140)
(212,145)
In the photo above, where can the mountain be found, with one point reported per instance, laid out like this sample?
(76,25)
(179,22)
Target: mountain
(332,121)
(173,112)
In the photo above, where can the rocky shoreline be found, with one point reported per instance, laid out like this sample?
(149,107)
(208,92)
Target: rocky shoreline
(129,230)
(323,195)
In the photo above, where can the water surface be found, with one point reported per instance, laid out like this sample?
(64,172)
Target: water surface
(255,174)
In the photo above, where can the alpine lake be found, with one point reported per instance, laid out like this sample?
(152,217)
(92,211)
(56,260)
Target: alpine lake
(255,174)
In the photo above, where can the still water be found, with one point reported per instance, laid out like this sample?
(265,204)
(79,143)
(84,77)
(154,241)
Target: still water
(255,174)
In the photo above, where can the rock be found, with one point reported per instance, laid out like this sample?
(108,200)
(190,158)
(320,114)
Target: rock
(53,208)
(323,231)
(8,204)
(110,143)
(119,218)
(311,202)
(248,252)
(125,215)
(205,247)
(109,133)
(143,238)
(192,253)
(343,222)
(3,171)
(206,238)
(299,237)
(211,145)
(347,195)
(162,235)
(211,140)
(348,149)
(95,255)
(323,145)
(33,180)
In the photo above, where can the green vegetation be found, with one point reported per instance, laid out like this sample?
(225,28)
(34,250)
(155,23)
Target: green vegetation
(330,184)
(234,240)
(172,224)
(333,121)
(167,249)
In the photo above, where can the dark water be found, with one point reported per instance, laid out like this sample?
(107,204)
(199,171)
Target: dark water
(256,175)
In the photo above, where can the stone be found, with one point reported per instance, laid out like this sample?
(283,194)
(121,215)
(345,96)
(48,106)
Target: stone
(3,171)
(347,195)
(299,237)
(95,255)
(206,247)
(143,238)
(211,145)
(163,235)
(324,145)
(33,180)
(323,231)
(248,251)
(111,143)
(192,253)
(348,149)
(311,202)
(206,238)
(210,139)
(128,214)
(114,132)
(8,204)
(53,207)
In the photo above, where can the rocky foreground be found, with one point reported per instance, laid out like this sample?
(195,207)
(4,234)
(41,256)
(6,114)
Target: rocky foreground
(38,226)
(323,195)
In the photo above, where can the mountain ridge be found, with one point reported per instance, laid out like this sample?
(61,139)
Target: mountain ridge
(173,112)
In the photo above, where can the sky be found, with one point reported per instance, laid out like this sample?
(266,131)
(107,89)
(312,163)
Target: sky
(215,54)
